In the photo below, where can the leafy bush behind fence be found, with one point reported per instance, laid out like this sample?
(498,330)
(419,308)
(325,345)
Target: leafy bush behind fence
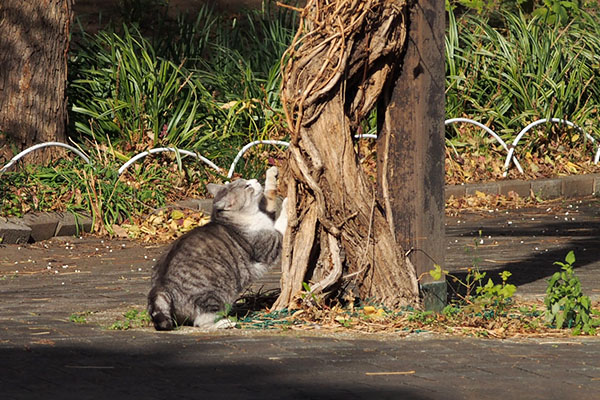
(211,84)
(524,70)
(208,85)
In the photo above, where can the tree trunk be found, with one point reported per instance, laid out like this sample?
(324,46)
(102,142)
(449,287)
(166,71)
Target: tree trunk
(341,230)
(34,44)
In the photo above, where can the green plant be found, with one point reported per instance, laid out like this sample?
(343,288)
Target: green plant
(123,91)
(95,189)
(516,70)
(554,11)
(210,84)
(308,294)
(225,314)
(488,299)
(79,317)
(486,6)
(566,305)
(424,317)
(497,296)
(133,319)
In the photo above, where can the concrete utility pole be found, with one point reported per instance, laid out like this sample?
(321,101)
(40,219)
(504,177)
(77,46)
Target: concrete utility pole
(414,119)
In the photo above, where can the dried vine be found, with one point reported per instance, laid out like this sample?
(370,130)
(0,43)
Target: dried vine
(333,73)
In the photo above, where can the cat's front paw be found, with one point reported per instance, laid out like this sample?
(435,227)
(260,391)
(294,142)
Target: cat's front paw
(272,172)
(284,206)
(271,179)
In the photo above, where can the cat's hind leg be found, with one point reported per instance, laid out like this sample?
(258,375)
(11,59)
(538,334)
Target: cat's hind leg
(210,321)
(206,307)
(160,309)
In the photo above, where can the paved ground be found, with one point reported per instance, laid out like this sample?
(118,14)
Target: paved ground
(44,356)
(527,242)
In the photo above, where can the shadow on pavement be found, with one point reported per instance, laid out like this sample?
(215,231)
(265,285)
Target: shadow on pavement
(581,237)
(180,372)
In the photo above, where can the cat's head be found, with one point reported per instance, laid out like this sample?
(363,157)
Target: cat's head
(240,196)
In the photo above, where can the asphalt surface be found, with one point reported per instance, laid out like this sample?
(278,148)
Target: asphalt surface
(43,355)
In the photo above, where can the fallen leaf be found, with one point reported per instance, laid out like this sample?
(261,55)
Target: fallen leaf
(368,310)
(150,230)
(177,214)
(188,223)
(120,231)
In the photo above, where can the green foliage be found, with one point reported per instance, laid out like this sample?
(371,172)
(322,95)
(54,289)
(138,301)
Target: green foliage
(486,6)
(496,296)
(551,10)
(487,298)
(41,188)
(554,11)
(132,319)
(226,314)
(308,294)
(476,295)
(121,90)
(76,187)
(517,68)
(210,84)
(424,317)
(80,317)
(566,305)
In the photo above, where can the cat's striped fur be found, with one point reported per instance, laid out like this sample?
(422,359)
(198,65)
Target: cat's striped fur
(209,267)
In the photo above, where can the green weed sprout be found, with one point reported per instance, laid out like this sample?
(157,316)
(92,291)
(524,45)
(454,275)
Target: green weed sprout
(566,305)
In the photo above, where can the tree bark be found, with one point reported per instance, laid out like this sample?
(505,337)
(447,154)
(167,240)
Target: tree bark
(34,44)
(340,230)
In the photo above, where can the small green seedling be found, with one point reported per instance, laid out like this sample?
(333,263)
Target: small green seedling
(80,317)
(133,319)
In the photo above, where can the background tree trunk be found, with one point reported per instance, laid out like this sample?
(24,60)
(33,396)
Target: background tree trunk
(340,230)
(34,44)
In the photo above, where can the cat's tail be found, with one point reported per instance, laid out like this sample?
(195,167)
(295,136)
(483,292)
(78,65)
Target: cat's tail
(160,309)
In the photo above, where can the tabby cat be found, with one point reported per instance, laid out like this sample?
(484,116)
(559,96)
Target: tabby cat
(207,268)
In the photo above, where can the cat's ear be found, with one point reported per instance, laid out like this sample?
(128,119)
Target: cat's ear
(214,189)
(227,202)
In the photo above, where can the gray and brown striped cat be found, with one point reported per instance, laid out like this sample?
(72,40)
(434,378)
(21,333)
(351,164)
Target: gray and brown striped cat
(209,267)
